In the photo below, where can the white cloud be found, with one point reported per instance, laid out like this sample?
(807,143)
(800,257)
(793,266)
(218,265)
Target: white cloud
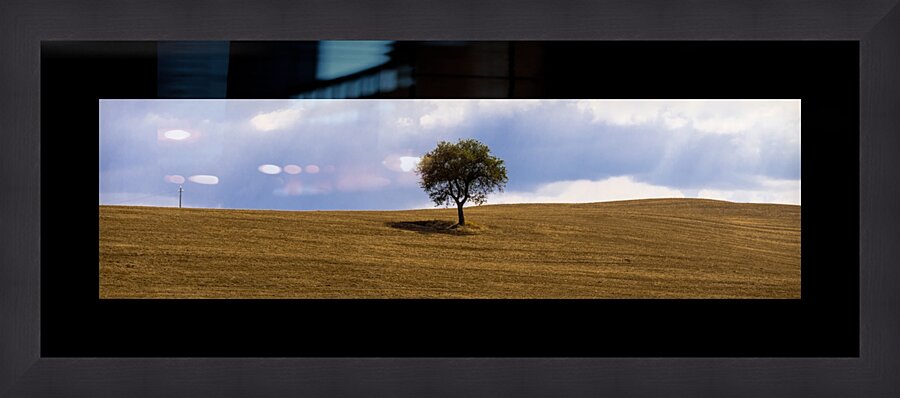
(165,123)
(768,191)
(708,116)
(138,199)
(443,114)
(621,113)
(276,120)
(674,121)
(152,118)
(401,163)
(449,113)
(626,188)
(506,107)
(335,118)
(732,117)
(584,191)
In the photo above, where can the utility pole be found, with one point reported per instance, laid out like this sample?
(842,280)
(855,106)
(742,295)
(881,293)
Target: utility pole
(180,190)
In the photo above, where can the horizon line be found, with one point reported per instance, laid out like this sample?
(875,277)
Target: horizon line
(453,208)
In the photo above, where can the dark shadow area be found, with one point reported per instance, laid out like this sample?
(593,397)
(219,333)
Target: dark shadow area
(432,227)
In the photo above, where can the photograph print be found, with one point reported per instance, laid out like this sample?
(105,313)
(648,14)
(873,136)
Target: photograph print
(308,198)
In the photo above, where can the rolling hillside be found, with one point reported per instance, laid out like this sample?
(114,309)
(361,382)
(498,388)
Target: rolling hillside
(655,248)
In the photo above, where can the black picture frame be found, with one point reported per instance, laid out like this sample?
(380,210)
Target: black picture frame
(75,75)
(23,372)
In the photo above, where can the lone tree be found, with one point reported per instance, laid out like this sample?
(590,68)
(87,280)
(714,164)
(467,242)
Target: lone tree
(462,172)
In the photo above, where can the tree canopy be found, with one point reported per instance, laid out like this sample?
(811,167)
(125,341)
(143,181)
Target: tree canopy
(461,173)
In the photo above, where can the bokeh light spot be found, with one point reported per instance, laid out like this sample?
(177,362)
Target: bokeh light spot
(293,169)
(269,169)
(174,179)
(204,179)
(312,169)
(177,135)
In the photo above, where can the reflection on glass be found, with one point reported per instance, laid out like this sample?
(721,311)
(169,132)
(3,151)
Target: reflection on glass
(341,57)
(204,179)
(269,169)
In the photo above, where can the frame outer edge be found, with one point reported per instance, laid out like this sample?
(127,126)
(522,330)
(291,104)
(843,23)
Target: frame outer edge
(880,205)
(19,200)
(19,156)
(453,20)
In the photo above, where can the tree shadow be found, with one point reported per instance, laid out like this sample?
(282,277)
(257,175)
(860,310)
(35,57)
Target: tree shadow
(432,227)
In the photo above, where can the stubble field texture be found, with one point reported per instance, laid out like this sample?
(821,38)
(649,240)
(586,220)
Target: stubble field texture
(654,248)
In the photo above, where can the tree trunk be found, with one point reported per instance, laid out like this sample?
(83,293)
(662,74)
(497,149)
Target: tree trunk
(459,211)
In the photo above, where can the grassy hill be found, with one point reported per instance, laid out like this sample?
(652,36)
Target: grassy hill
(655,248)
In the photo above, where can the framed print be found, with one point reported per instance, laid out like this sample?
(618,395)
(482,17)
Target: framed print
(645,241)
(192,77)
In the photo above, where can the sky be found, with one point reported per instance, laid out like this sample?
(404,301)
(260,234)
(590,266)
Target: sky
(358,154)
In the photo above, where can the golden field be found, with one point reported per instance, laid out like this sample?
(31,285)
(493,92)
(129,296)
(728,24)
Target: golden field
(653,248)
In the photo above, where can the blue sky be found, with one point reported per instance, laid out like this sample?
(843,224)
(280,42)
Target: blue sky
(360,154)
